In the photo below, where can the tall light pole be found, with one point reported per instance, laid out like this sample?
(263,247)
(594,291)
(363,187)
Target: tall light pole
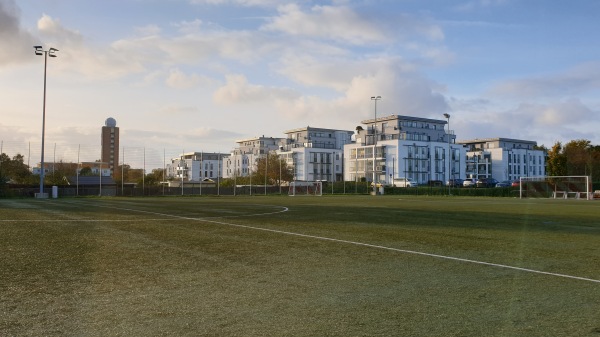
(375,98)
(449,155)
(39,50)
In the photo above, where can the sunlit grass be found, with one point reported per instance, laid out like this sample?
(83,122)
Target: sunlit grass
(299,266)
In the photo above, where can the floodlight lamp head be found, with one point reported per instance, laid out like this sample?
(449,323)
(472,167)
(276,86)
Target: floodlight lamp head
(447,115)
(38,50)
(51,52)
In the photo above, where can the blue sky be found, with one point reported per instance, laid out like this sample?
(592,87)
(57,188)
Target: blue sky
(201,74)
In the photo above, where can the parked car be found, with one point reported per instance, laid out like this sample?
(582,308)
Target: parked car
(469,183)
(405,182)
(516,183)
(435,183)
(505,183)
(486,182)
(455,182)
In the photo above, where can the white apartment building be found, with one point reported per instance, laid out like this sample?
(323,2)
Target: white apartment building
(315,153)
(196,166)
(399,146)
(242,160)
(503,159)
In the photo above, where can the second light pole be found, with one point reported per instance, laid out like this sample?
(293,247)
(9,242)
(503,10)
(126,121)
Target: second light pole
(449,155)
(375,98)
(39,50)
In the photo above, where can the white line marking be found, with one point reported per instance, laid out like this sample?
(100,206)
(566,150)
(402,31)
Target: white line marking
(405,251)
(408,251)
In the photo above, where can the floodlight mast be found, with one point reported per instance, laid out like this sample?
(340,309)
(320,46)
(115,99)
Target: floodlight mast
(374,98)
(449,155)
(39,50)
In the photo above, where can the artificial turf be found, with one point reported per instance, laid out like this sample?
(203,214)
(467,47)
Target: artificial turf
(300,266)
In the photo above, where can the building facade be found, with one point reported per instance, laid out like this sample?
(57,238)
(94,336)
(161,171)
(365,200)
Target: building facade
(399,146)
(315,153)
(241,162)
(503,159)
(195,166)
(110,144)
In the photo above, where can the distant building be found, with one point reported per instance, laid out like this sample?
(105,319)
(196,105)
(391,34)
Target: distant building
(243,159)
(503,159)
(398,146)
(110,144)
(196,166)
(315,153)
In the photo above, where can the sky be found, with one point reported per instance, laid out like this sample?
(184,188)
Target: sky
(199,75)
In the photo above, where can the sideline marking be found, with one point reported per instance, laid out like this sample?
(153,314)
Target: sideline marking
(323,238)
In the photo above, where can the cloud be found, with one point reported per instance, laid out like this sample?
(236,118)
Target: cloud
(237,90)
(335,23)
(541,122)
(54,29)
(179,80)
(148,30)
(176,110)
(577,80)
(262,3)
(17,44)
(479,4)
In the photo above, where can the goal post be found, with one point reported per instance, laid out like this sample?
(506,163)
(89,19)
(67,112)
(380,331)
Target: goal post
(557,187)
(309,188)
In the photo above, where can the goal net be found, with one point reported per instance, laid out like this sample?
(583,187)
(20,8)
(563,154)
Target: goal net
(557,187)
(313,188)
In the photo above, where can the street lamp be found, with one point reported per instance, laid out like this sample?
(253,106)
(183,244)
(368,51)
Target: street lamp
(375,98)
(50,52)
(449,155)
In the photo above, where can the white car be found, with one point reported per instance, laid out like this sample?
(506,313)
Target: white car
(405,182)
(469,183)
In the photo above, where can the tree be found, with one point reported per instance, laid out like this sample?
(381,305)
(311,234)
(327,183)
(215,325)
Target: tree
(578,157)
(155,177)
(86,171)
(15,169)
(59,173)
(557,161)
(276,169)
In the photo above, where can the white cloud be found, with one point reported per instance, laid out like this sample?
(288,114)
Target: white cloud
(261,3)
(479,4)
(577,80)
(189,27)
(179,80)
(541,122)
(334,23)
(237,90)
(148,30)
(55,30)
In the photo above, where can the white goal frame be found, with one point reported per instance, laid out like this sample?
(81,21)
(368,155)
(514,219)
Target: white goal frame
(305,188)
(557,187)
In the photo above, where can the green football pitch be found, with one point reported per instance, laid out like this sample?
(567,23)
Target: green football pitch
(299,266)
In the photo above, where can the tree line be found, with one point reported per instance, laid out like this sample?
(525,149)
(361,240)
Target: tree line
(575,158)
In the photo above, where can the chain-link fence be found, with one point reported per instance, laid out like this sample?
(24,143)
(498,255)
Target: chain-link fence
(140,172)
(133,176)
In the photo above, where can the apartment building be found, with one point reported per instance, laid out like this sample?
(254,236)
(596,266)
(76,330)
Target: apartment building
(399,146)
(241,162)
(315,153)
(503,158)
(196,166)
